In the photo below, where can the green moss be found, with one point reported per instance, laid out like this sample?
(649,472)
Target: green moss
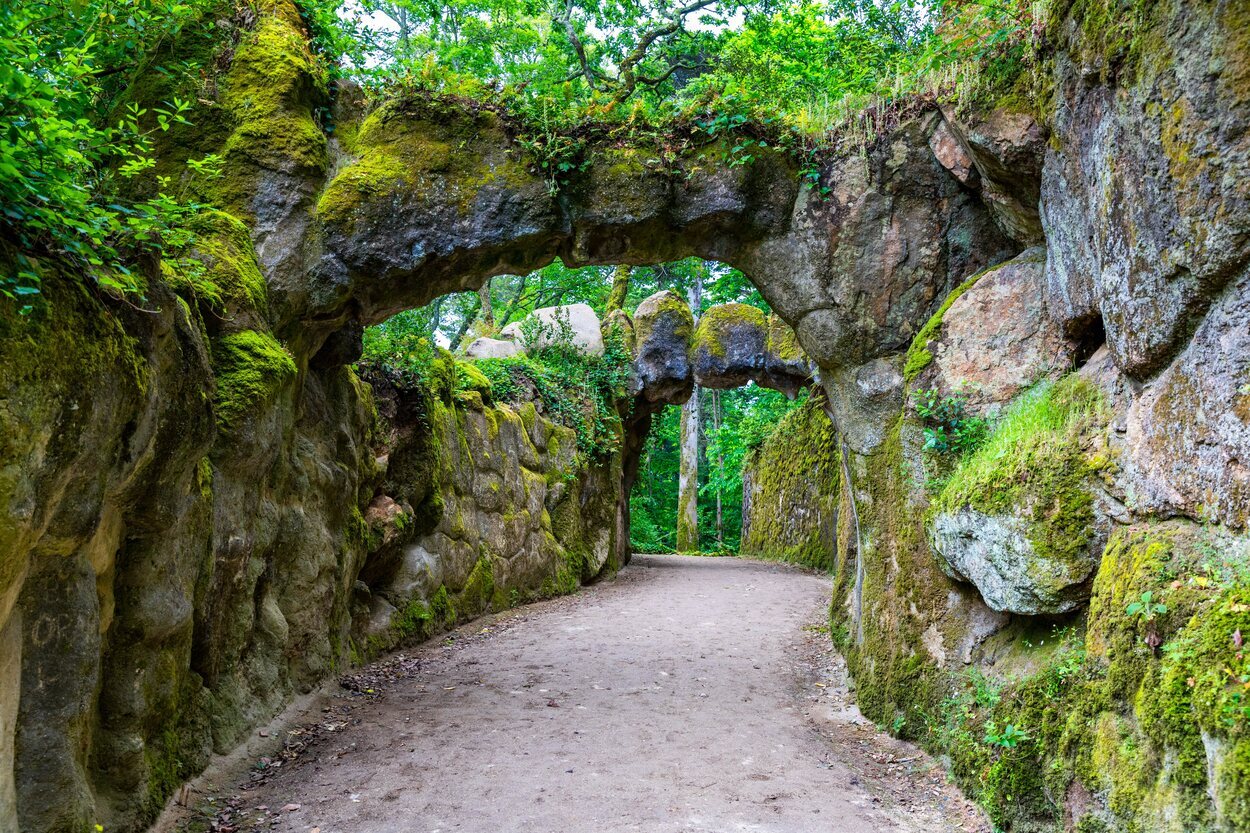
(720,323)
(416,622)
(204,478)
(442,609)
(918,354)
(469,377)
(1036,464)
(783,342)
(269,94)
(249,366)
(219,271)
(404,147)
(478,591)
(793,479)
(1117,36)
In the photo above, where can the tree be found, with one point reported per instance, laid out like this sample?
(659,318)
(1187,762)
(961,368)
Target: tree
(620,288)
(688,500)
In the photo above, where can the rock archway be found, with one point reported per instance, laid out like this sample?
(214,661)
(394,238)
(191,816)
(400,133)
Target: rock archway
(186,490)
(188,499)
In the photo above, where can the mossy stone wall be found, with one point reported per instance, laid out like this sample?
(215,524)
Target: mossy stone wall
(790,491)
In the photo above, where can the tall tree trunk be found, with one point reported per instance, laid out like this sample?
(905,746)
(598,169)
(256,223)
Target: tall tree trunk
(515,303)
(487,313)
(688,486)
(720,471)
(620,288)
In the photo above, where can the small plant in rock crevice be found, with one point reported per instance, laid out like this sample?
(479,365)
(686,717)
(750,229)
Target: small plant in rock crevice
(948,427)
(1009,737)
(1146,608)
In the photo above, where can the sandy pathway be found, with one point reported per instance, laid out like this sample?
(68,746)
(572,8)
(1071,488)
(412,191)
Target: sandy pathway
(688,694)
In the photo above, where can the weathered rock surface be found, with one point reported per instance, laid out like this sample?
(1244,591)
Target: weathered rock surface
(996,339)
(733,344)
(994,553)
(493,509)
(1144,203)
(1006,149)
(663,330)
(492,348)
(197,515)
(790,491)
(1188,432)
(737,343)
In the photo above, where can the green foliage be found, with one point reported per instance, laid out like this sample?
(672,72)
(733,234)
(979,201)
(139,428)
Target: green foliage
(1146,607)
(796,75)
(1008,737)
(576,390)
(1036,463)
(67,160)
(948,427)
(403,345)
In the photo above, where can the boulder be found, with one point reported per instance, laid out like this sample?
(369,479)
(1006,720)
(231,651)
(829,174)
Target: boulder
(995,339)
(548,326)
(737,343)
(663,329)
(729,345)
(994,553)
(491,348)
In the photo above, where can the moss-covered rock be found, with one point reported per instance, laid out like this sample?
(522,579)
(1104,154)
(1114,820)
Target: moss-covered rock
(1018,516)
(790,491)
(249,366)
(219,272)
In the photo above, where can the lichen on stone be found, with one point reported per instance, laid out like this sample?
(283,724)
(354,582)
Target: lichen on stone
(1038,465)
(249,366)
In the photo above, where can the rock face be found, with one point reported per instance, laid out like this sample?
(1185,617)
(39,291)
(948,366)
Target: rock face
(1146,214)
(737,343)
(790,491)
(482,508)
(492,348)
(1187,438)
(1005,149)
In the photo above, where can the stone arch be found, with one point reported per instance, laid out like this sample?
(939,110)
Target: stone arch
(434,197)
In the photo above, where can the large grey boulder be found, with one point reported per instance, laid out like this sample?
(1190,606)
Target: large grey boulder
(491,348)
(663,329)
(994,553)
(548,326)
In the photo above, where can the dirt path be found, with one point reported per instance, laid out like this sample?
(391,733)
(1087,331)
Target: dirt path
(688,694)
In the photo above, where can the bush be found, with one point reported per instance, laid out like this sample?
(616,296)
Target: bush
(575,390)
(948,428)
